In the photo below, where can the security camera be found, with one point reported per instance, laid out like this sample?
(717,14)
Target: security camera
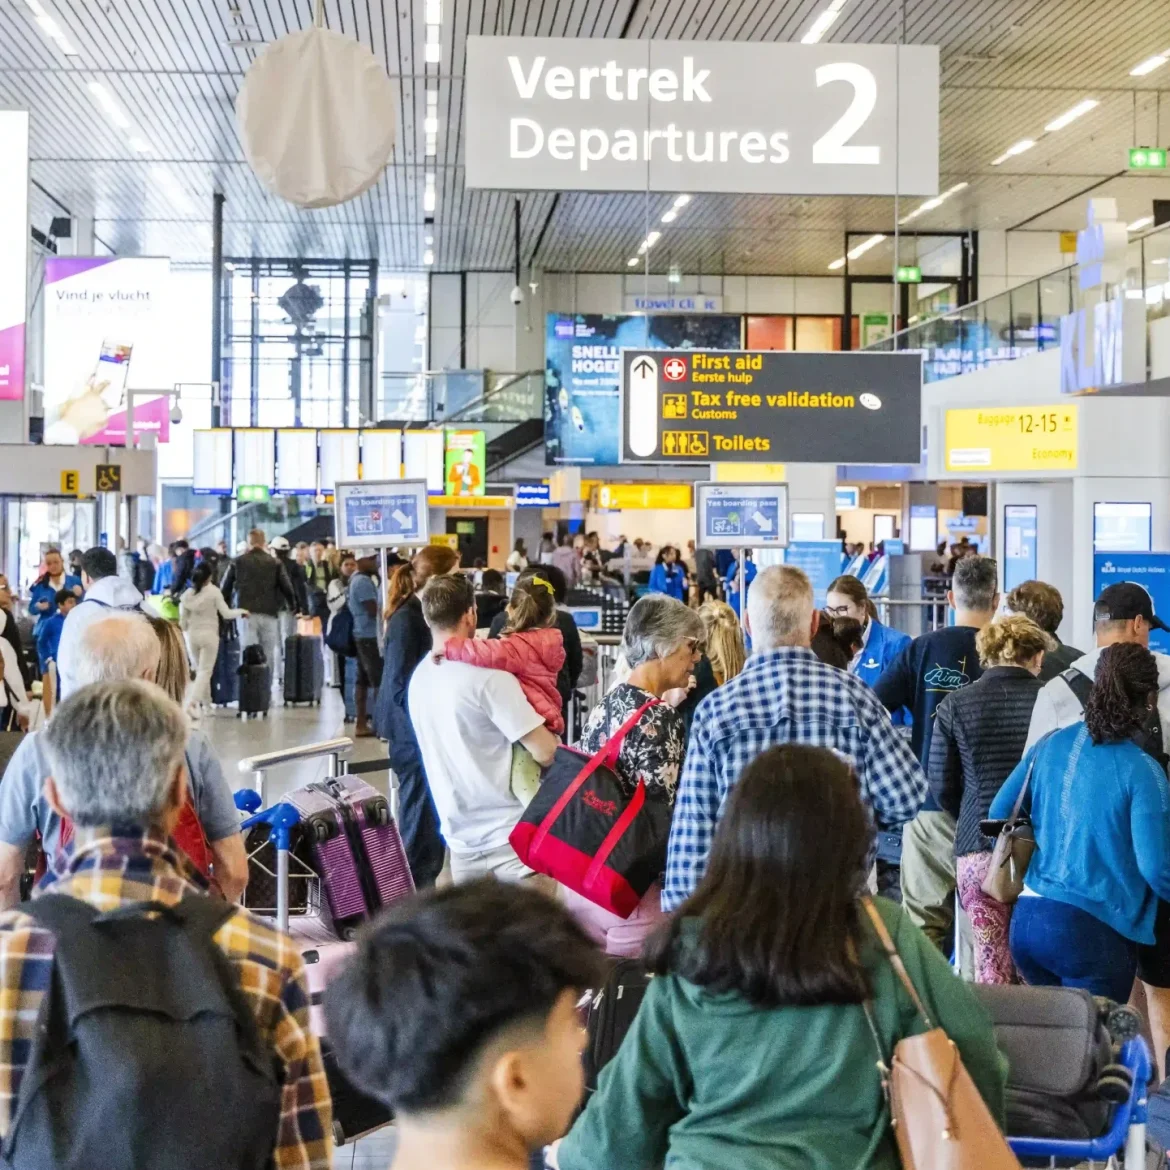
(517,295)
(176,414)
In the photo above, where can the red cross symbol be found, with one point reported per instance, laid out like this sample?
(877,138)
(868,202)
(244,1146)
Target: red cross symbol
(675,369)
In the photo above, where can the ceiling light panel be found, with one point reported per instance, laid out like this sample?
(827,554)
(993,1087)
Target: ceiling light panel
(1069,116)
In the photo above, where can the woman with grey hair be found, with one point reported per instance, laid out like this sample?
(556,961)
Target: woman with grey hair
(662,643)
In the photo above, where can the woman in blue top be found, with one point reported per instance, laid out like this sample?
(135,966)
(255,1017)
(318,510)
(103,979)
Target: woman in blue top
(1100,809)
(42,596)
(668,576)
(847,598)
(731,580)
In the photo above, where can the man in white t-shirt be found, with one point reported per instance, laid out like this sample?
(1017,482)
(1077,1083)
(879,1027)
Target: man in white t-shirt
(466,719)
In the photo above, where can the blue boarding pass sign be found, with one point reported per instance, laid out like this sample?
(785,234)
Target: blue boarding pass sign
(381,514)
(739,515)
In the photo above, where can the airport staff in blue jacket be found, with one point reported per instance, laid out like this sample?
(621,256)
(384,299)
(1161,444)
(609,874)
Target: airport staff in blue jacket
(847,597)
(668,575)
(731,580)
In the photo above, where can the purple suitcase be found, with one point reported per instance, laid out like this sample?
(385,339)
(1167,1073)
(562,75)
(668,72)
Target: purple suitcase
(356,848)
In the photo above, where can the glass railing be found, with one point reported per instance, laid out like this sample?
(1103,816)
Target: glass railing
(1026,319)
(463,396)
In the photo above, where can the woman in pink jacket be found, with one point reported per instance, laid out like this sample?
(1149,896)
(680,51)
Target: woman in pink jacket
(530,648)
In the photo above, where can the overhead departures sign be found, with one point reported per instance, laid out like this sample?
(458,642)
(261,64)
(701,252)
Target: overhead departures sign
(705,406)
(590,114)
(1006,438)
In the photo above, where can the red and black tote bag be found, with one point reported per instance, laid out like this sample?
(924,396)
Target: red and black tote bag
(582,830)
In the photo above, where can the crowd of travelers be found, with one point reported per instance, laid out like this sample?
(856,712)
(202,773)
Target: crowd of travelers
(835,791)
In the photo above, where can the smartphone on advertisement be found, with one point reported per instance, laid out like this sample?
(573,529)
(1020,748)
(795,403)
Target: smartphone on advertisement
(111,372)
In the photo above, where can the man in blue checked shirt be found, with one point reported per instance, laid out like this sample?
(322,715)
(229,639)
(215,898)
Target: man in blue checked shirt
(785,694)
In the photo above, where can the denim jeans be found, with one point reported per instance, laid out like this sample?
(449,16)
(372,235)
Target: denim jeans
(418,822)
(1058,945)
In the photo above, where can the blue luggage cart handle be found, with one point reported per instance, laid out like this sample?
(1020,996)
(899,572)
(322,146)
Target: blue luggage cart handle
(281,819)
(1136,1057)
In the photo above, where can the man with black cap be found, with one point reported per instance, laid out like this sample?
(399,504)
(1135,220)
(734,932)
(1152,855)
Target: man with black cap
(1124,613)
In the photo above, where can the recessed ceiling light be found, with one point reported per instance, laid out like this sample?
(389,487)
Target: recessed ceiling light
(1013,150)
(824,21)
(138,143)
(864,246)
(51,27)
(1071,115)
(633,262)
(669,216)
(428,257)
(682,200)
(1138,224)
(1149,65)
(109,105)
(839,263)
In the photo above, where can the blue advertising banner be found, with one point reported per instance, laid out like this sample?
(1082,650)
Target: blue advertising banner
(1019,545)
(820,559)
(582,353)
(1149,570)
(533,495)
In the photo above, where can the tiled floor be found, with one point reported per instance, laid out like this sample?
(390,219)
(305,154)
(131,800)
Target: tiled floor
(235,739)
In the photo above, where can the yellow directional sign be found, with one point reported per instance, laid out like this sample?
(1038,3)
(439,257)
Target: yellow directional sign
(1012,438)
(109,477)
(70,483)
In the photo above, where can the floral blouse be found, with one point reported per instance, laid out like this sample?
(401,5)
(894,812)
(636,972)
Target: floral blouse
(653,750)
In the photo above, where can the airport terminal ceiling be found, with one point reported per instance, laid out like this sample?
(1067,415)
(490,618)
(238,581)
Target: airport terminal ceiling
(134,127)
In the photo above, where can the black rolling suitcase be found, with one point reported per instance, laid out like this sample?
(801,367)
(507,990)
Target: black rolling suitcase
(611,1012)
(255,683)
(304,669)
(225,678)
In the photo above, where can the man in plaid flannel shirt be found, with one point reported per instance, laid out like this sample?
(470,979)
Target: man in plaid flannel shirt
(116,755)
(785,694)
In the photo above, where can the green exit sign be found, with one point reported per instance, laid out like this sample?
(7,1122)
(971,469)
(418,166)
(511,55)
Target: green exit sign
(249,493)
(908,274)
(1147,158)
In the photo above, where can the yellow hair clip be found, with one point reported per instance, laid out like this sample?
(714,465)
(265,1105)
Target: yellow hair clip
(542,581)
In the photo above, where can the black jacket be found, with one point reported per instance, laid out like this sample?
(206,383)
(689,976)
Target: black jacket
(1059,661)
(298,581)
(408,640)
(259,583)
(979,737)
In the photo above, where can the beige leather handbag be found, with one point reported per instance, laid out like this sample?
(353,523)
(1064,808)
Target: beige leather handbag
(940,1120)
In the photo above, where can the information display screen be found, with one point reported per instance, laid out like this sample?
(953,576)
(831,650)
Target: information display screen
(742,515)
(808,525)
(381,454)
(384,514)
(339,458)
(255,457)
(1019,545)
(923,527)
(1122,527)
(296,462)
(423,455)
(212,462)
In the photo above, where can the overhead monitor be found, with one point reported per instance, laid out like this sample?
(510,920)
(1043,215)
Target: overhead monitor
(296,462)
(1019,545)
(211,453)
(387,514)
(1122,527)
(808,525)
(884,526)
(923,527)
(381,454)
(339,458)
(741,515)
(423,454)
(255,457)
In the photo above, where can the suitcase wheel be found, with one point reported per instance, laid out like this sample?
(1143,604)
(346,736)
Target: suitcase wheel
(377,810)
(321,828)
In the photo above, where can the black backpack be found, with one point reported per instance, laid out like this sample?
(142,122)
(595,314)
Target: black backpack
(1148,737)
(146,1053)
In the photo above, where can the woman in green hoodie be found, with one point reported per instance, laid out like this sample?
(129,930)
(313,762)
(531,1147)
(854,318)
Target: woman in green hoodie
(751,1050)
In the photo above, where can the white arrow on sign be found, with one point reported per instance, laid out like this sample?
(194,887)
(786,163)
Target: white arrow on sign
(643,406)
(402,518)
(762,521)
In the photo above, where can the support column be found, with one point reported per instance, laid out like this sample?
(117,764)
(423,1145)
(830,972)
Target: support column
(217,202)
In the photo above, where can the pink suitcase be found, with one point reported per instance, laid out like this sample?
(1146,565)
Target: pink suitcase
(356,848)
(322,962)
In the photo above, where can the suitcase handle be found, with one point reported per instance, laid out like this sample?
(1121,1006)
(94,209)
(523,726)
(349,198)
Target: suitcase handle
(281,819)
